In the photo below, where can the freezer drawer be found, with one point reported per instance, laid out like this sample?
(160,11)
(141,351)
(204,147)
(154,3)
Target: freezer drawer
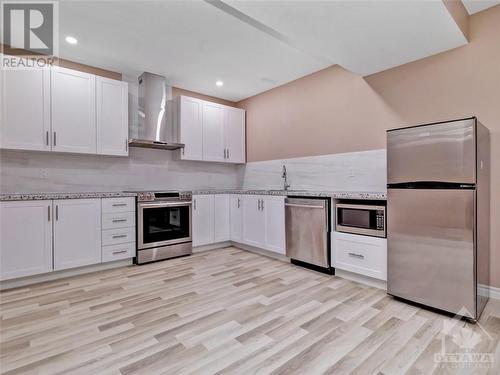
(440,152)
(431,252)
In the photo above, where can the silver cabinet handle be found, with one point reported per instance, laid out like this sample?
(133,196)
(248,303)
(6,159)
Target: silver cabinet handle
(55,138)
(126,144)
(358,256)
(228,153)
(47,137)
(262,205)
(119,220)
(194,204)
(238,202)
(119,236)
(57,212)
(48,213)
(119,252)
(258,204)
(119,204)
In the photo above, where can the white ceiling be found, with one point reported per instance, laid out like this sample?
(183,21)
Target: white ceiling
(252,46)
(474,6)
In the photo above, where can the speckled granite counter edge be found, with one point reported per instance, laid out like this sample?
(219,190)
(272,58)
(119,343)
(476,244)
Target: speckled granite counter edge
(302,193)
(42,196)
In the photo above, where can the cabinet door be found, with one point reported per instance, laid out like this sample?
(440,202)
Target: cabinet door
(253,221)
(234,128)
(213,132)
(221,218)
(203,220)
(73,111)
(236,216)
(25,109)
(112,116)
(190,128)
(77,233)
(274,209)
(25,238)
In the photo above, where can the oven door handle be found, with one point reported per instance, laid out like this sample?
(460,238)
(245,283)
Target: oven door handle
(164,204)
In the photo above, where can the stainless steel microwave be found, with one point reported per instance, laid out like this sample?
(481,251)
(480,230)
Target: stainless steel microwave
(358,218)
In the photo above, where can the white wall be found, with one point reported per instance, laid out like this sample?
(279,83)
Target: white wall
(354,171)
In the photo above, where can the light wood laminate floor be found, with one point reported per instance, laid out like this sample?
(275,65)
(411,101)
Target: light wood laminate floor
(227,312)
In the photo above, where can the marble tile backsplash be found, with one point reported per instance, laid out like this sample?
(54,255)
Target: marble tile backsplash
(28,172)
(355,171)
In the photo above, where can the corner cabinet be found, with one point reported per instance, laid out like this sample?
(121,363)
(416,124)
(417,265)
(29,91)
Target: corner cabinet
(63,110)
(210,131)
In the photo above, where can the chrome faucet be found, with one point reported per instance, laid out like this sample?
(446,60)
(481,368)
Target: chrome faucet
(286,184)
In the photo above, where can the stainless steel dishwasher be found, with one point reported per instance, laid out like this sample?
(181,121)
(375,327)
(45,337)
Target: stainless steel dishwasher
(308,229)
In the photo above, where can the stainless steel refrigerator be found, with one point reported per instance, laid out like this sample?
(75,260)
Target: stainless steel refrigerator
(438,215)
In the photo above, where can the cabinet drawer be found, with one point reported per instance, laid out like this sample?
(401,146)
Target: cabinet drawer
(360,254)
(111,205)
(117,252)
(118,236)
(118,220)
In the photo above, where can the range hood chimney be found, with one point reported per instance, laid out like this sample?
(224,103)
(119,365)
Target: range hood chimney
(155,114)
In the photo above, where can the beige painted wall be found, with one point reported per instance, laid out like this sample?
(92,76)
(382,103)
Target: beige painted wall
(334,111)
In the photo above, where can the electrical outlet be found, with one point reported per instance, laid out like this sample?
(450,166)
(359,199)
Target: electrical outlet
(44,174)
(351,172)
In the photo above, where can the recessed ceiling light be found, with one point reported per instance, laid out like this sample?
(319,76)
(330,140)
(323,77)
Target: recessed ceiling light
(219,83)
(71,40)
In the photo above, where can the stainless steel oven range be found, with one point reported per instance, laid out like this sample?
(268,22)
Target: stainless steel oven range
(163,225)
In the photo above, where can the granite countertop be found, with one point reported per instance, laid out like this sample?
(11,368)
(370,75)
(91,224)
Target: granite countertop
(301,193)
(42,196)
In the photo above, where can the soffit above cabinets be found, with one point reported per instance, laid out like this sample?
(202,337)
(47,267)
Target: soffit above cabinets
(474,6)
(252,46)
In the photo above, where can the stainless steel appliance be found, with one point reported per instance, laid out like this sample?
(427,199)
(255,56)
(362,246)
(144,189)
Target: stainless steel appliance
(155,115)
(360,218)
(438,215)
(307,222)
(163,225)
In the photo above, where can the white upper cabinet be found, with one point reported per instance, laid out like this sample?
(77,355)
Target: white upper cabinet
(25,112)
(25,238)
(203,220)
(221,218)
(210,131)
(77,233)
(213,132)
(189,112)
(236,216)
(274,209)
(234,129)
(112,116)
(73,111)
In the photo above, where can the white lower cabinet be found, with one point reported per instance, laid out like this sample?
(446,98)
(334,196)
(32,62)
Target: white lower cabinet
(203,220)
(360,254)
(222,228)
(264,222)
(274,238)
(25,238)
(236,217)
(77,233)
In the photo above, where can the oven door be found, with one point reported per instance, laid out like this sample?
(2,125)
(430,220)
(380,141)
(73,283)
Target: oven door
(163,223)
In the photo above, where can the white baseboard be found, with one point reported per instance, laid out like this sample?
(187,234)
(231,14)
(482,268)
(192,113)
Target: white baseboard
(484,290)
(212,246)
(260,251)
(29,280)
(362,279)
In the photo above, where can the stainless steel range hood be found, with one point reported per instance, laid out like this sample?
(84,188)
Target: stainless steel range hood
(155,114)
